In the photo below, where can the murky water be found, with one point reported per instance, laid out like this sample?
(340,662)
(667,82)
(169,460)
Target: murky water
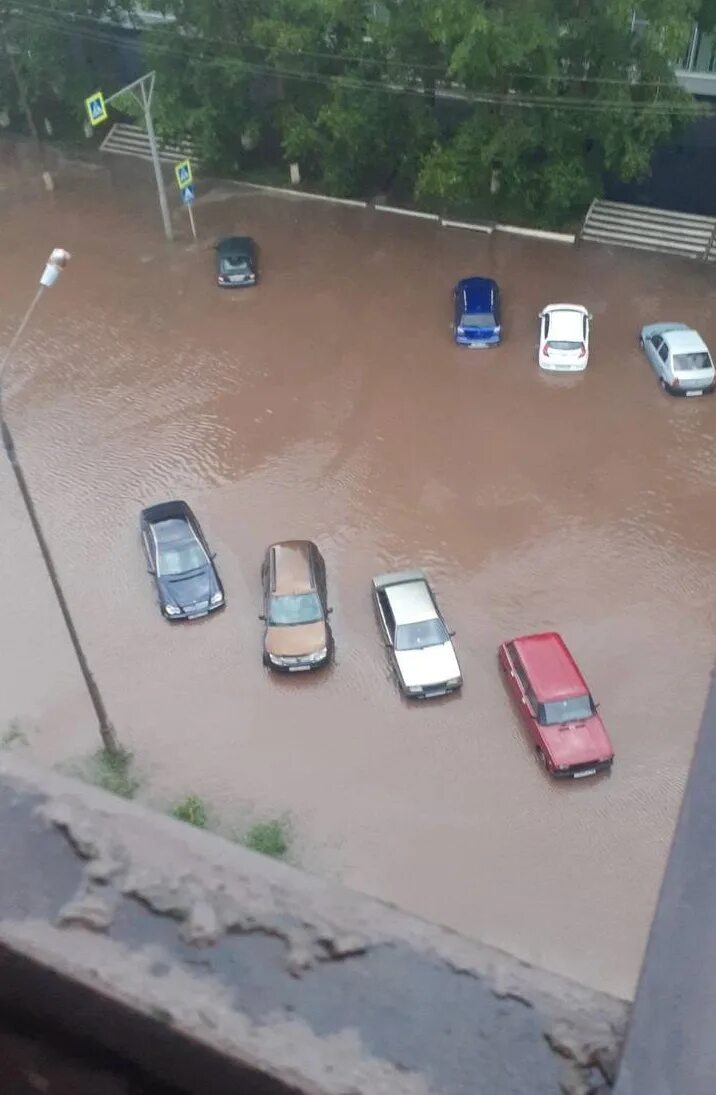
(329,403)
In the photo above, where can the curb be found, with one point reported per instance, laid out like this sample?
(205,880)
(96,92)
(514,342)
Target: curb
(407,212)
(473,227)
(302,194)
(537,233)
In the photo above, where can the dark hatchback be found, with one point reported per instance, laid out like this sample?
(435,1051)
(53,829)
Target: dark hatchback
(179,558)
(476,307)
(236,262)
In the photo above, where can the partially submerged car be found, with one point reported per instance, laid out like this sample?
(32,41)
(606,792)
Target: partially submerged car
(414,632)
(179,558)
(297,635)
(476,312)
(564,338)
(556,705)
(679,357)
(236,262)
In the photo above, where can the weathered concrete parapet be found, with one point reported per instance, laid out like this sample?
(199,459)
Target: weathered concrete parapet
(218,970)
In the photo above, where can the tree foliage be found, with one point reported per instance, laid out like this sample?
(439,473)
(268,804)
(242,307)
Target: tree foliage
(488,106)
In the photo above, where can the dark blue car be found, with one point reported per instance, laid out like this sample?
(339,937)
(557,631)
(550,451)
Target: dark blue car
(477,312)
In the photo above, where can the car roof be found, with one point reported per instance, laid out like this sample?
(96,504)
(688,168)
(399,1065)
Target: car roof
(685,341)
(478,293)
(171,531)
(293,569)
(566,322)
(552,670)
(235,245)
(411,602)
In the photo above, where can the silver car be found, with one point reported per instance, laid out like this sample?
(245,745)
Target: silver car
(679,357)
(415,634)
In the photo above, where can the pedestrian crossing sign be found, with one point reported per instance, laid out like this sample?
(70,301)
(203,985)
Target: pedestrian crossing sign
(183,173)
(96,108)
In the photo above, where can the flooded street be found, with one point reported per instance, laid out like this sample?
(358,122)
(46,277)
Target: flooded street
(330,404)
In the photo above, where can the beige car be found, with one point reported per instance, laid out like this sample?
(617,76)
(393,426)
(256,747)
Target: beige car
(297,635)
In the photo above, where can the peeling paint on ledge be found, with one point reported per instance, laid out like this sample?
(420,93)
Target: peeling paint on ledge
(270,972)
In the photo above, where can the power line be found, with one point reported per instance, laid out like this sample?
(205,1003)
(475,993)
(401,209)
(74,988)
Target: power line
(658,108)
(559,77)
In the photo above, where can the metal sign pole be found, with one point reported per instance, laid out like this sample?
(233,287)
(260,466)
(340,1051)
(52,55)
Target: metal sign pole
(164,205)
(145,101)
(191,220)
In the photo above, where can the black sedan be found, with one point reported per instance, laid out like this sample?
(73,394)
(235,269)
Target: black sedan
(179,558)
(236,262)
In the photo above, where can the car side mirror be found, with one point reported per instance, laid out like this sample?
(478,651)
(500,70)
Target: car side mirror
(261,616)
(451,634)
(329,610)
(213,555)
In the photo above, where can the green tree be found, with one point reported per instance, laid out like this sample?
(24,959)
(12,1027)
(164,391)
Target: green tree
(50,59)
(487,106)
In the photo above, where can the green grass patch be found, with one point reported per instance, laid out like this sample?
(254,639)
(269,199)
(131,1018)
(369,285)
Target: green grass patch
(113,772)
(272,838)
(191,810)
(14,735)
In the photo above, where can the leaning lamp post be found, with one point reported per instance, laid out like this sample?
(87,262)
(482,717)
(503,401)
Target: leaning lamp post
(54,266)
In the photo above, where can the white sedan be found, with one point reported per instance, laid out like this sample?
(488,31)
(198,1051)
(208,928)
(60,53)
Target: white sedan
(564,338)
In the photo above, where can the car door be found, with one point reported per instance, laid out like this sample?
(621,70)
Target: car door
(456,308)
(387,621)
(652,346)
(527,701)
(266,568)
(148,545)
(664,364)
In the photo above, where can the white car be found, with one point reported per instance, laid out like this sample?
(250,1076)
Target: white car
(415,633)
(679,357)
(564,338)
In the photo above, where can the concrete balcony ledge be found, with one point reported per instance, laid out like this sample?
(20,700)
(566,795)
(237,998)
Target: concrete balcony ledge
(216,970)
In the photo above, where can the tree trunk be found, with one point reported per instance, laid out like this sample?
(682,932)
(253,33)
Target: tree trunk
(21,92)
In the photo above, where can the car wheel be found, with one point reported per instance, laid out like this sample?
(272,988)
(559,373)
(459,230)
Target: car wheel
(664,385)
(641,343)
(542,759)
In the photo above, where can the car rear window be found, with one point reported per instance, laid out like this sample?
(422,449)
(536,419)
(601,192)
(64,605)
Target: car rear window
(234,263)
(416,636)
(478,319)
(575,709)
(295,608)
(563,345)
(690,363)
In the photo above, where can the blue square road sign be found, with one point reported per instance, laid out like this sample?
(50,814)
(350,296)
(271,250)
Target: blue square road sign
(183,173)
(188,194)
(96,108)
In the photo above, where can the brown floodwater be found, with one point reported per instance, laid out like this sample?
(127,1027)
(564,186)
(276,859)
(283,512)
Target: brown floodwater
(329,403)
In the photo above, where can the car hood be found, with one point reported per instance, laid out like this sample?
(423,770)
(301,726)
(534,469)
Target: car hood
(577,742)
(430,665)
(185,591)
(296,640)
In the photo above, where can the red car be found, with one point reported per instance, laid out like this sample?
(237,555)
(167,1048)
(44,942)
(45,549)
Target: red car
(556,705)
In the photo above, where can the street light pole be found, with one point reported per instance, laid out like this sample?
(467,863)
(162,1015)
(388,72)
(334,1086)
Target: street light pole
(143,91)
(56,262)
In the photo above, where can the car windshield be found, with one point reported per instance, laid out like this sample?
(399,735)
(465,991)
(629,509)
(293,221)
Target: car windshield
(295,608)
(574,709)
(181,558)
(424,633)
(562,344)
(690,363)
(478,319)
(231,264)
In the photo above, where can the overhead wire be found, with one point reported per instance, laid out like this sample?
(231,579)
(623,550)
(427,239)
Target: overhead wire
(48,22)
(562,77)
